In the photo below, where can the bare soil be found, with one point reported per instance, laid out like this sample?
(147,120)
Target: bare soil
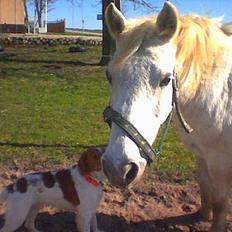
(154,204)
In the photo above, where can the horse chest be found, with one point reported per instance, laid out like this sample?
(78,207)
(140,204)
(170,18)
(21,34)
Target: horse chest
(209,132)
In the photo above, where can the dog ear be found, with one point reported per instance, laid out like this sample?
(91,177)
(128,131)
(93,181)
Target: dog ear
(83,163)
(95,160)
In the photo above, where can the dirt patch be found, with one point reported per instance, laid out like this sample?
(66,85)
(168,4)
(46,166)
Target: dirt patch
(153,204)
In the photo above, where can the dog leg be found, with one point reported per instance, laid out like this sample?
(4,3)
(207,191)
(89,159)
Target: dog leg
(17,209)
(83,220)
(94,226)
(30,221)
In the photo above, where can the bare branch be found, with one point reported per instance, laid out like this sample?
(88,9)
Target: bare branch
(76,3)
(145,3)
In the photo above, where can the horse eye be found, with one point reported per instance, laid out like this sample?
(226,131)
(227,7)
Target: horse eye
(108,76)
(166,80)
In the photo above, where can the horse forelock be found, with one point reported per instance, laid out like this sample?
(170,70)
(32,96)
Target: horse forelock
(131,38)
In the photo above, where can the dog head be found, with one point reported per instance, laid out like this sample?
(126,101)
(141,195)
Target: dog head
(90,161)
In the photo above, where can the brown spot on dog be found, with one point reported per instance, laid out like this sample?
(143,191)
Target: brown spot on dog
(67,186)
(90,161)
(21,185)
(10,188)
(48,179)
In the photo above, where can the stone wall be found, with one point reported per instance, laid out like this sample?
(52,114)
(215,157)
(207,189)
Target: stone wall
(49,40)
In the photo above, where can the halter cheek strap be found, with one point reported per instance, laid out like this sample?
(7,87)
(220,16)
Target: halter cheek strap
(175,98)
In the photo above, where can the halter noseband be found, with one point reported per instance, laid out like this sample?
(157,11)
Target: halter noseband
(145,148)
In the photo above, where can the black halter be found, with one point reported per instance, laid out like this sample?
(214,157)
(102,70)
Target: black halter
(145,148)
(111,115)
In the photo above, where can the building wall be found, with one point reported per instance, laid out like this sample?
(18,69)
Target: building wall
(12,12)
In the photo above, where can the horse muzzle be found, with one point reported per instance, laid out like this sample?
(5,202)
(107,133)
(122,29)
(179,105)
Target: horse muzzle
(124,174)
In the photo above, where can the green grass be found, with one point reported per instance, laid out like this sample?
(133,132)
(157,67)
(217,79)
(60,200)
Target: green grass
(51,106)
(175,158)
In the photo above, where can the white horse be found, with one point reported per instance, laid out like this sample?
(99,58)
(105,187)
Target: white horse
(147,51)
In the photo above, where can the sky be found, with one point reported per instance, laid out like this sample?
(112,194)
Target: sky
(87,13)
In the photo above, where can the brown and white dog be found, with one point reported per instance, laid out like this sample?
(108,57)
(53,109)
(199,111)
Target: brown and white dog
(75,189)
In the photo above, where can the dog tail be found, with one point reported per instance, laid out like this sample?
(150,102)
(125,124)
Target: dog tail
(4,195)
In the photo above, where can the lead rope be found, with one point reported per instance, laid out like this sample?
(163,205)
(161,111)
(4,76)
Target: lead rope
(183,122)
(164,135)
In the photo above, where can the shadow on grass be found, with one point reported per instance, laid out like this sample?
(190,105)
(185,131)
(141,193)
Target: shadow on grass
(7,58)
(23,145)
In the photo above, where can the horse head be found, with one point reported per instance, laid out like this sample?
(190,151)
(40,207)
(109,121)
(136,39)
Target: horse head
(140,73)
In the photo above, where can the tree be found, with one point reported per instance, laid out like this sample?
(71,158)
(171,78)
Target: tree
(108,44)
(40,7)
(25,10)
(144,3)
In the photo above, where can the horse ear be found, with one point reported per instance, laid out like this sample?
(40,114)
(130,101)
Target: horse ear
(114,20)
(167,21)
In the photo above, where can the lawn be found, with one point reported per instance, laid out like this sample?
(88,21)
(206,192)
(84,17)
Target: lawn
(51,105)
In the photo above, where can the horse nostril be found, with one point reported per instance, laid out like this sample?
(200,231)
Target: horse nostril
(121,175)
(131,171)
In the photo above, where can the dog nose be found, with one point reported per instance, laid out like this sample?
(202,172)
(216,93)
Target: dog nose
(121,175)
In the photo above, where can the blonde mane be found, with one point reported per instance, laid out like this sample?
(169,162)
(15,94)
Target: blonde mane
(202,47)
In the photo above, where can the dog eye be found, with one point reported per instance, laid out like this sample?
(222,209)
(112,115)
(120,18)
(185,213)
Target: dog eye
(165,80)
(108,76)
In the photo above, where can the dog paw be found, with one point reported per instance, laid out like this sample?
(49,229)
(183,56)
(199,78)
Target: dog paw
(33,230)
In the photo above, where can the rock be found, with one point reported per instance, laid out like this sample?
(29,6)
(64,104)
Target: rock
(77,49)
(1,48)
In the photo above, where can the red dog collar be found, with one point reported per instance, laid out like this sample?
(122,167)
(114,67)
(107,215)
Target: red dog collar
(91,180)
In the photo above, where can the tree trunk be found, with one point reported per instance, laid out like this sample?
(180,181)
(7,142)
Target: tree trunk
(40,13)
(26,11)
(108,43)
(39,9)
